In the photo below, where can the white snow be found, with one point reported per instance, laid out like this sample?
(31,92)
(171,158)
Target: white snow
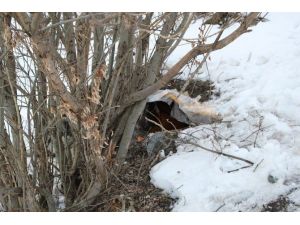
(258,77)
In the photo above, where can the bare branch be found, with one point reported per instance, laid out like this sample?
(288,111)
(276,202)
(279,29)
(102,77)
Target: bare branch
(201,49)
(71,20)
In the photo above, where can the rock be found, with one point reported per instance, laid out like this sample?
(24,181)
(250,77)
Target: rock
(160,141)
(272,179)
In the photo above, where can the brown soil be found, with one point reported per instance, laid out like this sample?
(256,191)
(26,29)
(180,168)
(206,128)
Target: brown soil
(131,190)
(279,205)
(196,87)
(282,204)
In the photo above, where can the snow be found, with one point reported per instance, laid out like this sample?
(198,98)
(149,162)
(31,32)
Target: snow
(258,77)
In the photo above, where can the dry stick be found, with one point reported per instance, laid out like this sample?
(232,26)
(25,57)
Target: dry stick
(19,127)
(219,153)
(175,69)
(243,167)
(156,117)
(78,18)
(259,129)
(254,132)
(110,100)
(158,124)
(257,165)
(181,31)
(111,50)
(7,37)
(139,172)
(220,207)
(202,62)
(118,179)
(154,160)
(201,49)
(213,151)
(177,35)
(3,54)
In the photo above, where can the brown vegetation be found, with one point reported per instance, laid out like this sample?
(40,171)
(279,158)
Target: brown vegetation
(73,86)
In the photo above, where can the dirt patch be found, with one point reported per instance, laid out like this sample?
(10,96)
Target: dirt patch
(279,205)
(283,203)
(196,87)
(131,190)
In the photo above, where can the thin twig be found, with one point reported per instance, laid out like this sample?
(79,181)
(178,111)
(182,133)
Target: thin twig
(204,148)
(254,132)
(259,129)
(118,179)
(220,207)
(243,167)
(71,20)
(139,172)
(3,55)
(158,124)
(257,165)
(202,62)
(156,158)
(216,152)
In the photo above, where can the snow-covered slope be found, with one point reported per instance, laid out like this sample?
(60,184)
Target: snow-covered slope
(258,77)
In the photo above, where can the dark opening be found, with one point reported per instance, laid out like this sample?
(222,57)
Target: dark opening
(160,112)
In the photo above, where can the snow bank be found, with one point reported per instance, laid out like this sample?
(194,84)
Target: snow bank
(258,77)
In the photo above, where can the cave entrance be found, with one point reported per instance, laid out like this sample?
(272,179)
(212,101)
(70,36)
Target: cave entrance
(171,110)
(158,116)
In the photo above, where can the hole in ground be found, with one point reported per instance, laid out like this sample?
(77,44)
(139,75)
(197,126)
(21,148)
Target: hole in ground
(160,113)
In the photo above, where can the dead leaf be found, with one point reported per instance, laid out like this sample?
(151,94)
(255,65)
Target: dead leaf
(139,138)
